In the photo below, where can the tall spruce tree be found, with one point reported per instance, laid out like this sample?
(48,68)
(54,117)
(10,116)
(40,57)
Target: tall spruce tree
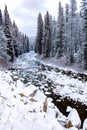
(46,36)
(4,57)
(8,34)
(1,18)
(72,30)
(15,37)
(53,38)
(66,35)
(27,44)
(84,16)
(39,36)
(60,33)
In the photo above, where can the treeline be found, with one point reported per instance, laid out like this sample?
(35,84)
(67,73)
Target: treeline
(12,42)
(65,37)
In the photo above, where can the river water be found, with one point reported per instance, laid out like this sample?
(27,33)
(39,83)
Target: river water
(30,71)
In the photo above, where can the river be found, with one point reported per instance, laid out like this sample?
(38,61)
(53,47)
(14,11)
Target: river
(31,71)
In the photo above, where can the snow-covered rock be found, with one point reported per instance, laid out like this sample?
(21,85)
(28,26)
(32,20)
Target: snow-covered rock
(85,124)
(73,118)
(69,109)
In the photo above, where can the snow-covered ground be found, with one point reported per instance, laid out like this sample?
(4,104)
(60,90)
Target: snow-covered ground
(22,108)
(27,108)
(52,61)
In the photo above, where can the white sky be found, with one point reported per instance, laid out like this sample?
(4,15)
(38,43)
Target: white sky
(25,12)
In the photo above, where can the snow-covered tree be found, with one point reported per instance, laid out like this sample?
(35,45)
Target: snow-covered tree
(46,36)
(72,31)
(60,31)
(53,38)
(12,41)
(84,16)
(27,44)
(8,34)
(66,34)
(3,47)
(39,36)
(79,40)
(15,37)
(1,18)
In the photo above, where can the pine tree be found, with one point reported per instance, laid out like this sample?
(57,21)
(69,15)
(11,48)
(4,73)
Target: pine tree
(21,43)
(60,33)
(72,31)
(0,17)
(27,44)
(66,35)
(15,36)
(46,36)
(51,34)
(84,16)
(53,44)
(8,34)
(24,43)
(3,46)
(39,36)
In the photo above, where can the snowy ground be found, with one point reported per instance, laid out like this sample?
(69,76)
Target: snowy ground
(20,109)
(27,108)
(61,64)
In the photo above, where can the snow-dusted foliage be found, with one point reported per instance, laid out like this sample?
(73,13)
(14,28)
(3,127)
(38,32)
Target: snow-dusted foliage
(84,16)
(0,17)
(12,41)
(39,37)
(3,47)
(8,35)
(60,31)
(68,34)
(46,36)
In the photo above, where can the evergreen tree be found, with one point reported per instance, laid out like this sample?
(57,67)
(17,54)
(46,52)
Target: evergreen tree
(15,36)
(24,43)
(21,43)
(72,30)
(8,34)
(27,44)
(66,35)
(46,36)
(79,38)
(53,38)
(12,42)
(60,31)
(0,17)
(39,36)
(3,46)
(84,16)
(51,34)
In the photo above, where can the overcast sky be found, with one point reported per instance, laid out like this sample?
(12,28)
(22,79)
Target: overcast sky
(25,12)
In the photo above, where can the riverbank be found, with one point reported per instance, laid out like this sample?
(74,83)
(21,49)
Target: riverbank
(52,61)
